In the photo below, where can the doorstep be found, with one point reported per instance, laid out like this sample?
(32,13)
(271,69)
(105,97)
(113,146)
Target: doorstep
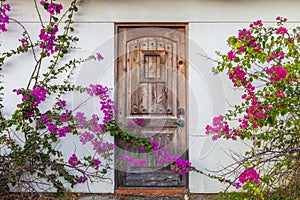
(140,191)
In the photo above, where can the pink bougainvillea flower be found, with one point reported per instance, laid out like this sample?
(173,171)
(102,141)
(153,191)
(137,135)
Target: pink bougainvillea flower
(96,162)
(81,179)
(280,94)
(244,34)
(62,103)
(4,18)
(47,36)
(99,57)
(73,160)
(277,73)
(24,42)
(279,56)
(231,56)
(139,122)
(142,148)
(140,163)
(256,112)
(249,175)
(155,143)
(51,7)
(256,23)
(86,137)
(281,30)
(241,49)
(238,76)
(279,18)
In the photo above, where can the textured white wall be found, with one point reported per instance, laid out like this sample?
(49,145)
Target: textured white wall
(213,11)
(210,23)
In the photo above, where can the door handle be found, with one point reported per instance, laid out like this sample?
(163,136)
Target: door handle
(180,122)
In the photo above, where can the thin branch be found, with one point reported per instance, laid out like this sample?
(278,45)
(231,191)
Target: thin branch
(26,32)
(208,58)
(38,12)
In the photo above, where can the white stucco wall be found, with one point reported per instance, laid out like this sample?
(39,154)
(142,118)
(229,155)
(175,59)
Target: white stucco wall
(210,23)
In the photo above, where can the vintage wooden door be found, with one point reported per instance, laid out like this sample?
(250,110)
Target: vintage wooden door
(151,83)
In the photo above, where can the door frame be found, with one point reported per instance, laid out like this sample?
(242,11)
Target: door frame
(185,25)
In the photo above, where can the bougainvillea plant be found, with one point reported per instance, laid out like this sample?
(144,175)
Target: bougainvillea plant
(30,157)
(263,63)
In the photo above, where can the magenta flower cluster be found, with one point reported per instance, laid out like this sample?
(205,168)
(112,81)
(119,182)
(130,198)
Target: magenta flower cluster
(61,103)
(102,147)
(238,76)
(39,93)
(86,137)
(162,156)
(281,30)
(139,122)
(246,36)
(57,127)
(182,166)
(73,161)
(232,56)
(278,56)
(217,127)
(4,18)
(255,112)
(99,57)
(92,124)
(277,73)
(47,36)
(96,162)
(281,18)
(135,162)
(220,127)
(257,23)
(81,179)
(248,175)
(52,8)
(107,104)
(94,127)
(280,93)
(24,42)
(31,98)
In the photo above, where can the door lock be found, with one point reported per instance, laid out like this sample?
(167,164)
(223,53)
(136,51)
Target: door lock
(180,111)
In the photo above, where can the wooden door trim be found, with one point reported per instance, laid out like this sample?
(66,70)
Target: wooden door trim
(169,190)
(145,24)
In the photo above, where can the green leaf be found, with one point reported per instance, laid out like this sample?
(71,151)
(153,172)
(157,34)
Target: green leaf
(262,58)
(43,54)
(55,19)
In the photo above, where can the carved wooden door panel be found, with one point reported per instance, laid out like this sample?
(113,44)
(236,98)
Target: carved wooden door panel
(150,74)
